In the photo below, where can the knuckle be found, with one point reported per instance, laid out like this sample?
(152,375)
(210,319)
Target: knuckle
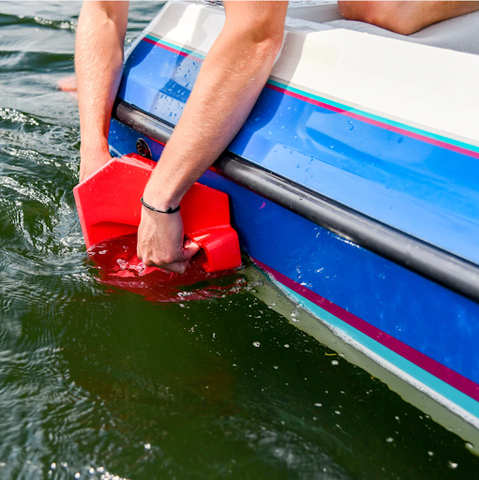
(168,258)
(159,262)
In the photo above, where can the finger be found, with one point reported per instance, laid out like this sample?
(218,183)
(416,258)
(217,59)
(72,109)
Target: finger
(189,249)
(67,84)
(177,267)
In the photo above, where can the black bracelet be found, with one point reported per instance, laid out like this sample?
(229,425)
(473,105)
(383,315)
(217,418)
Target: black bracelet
(168,210)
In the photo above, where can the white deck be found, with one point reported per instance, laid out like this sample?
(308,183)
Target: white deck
(425,87)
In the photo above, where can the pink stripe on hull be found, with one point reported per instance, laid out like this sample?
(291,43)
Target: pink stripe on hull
(428,364)
(306,99)
(171,49)
(348,113)
(376,123)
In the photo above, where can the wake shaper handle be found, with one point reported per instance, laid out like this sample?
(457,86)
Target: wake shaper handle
(109,206)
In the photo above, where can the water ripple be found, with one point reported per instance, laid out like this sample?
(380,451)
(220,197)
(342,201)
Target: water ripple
(17,20)
(14,116)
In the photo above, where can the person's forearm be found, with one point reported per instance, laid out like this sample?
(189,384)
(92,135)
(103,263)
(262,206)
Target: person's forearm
(98,63)
(231,78)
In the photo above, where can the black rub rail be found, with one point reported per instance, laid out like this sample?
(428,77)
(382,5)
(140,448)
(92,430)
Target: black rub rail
(438,265)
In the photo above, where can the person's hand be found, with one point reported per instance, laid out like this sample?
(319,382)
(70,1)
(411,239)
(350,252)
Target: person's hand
(161,241)
(91,161)
(67,84)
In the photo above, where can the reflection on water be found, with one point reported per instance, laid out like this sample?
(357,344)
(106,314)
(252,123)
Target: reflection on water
(119,266)
(97,382)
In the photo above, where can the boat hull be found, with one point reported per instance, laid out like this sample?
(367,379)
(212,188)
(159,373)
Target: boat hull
(419,329)
(395,273)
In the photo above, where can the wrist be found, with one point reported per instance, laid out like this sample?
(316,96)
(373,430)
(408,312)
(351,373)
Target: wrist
(97,147)
(168,211)
(93,157)
(160,198)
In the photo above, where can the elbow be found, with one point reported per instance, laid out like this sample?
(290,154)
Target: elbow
(270,45)
(261,38)
(265,35)
(263,48)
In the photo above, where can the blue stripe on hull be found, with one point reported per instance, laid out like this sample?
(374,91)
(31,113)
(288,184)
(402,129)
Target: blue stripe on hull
(450,393)
(422,189)
(429,318)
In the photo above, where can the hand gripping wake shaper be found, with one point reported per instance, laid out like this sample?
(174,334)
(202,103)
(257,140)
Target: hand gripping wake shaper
(109,206)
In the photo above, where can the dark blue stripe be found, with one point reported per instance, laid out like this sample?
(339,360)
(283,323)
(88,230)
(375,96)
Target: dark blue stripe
(424,190)
(427,317)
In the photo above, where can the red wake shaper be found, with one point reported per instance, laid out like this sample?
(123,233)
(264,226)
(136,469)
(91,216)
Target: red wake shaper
(109,206)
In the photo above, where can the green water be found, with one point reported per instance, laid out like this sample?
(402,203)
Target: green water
(95,379)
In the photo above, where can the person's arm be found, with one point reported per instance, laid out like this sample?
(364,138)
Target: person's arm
(98,63)
(229,83)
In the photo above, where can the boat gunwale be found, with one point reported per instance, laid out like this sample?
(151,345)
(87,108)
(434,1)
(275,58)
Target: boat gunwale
(439,265)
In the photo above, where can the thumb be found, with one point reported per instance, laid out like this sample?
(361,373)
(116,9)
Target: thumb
(189,249)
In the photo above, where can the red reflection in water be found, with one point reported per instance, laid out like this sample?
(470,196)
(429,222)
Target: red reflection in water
(119,266)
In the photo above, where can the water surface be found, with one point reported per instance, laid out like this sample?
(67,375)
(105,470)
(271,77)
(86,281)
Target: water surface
(96,381)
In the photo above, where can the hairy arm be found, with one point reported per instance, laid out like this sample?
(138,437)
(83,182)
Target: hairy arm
(230,81)
(98,63)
